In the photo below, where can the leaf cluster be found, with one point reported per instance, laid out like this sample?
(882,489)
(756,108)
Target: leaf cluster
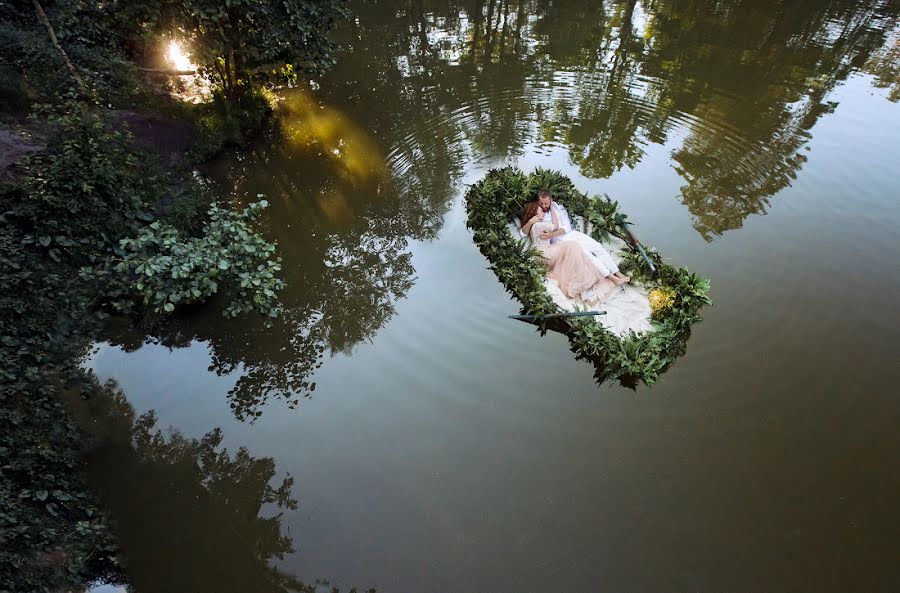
(51,532)
(163,267)
(93,38)
(495,201)
(221,122)
(88,189)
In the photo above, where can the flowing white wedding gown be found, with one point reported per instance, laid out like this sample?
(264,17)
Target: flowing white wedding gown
(572,268)
(598,255)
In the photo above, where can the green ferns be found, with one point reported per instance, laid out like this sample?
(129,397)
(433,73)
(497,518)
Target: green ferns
(496,200)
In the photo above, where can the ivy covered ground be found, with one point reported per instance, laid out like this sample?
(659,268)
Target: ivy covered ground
(676,294)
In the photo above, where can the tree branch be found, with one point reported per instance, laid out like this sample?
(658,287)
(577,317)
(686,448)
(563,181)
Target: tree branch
(43,18)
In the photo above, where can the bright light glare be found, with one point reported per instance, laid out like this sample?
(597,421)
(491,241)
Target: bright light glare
(176,56)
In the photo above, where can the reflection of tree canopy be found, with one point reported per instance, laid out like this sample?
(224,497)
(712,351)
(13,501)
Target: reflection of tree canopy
(884,65)
(187,513)
(736,86)
(749,78)
(422,63)
(757,76)
(602,121)
(387,274)
(746,80)
(344,275)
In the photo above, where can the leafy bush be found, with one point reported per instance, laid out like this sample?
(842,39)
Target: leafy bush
(40,74)
(32,57)
(496,200)
(189,207)
(114,24)
(72,207)
(78,198)
(51,533)
(87,189)
(162,267)
(215,131)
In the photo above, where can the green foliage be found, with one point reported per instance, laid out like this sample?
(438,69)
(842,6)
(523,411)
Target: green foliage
(74,199)
(491,204)
(84,191)
(215,131)
(496,200)
(35,71)
(189,207)
(87,191)
(239,45)
(51,533)
(113,24)
(242,43)
(71,209)
(27,50)
(162,267)
(222,123)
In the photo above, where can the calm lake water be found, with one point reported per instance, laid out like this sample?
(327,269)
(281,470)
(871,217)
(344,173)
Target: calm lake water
(435,445)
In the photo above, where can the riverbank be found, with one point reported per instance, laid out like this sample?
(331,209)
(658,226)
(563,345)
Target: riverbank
(105,211)
(77,180)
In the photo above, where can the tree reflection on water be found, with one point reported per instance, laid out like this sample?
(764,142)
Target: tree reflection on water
(373,159)
(189,516)
(736,85)
(765,73)
(343,236)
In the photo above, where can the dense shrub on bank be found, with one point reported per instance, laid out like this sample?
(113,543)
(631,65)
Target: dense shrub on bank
(251,44)
(51,533)
(88,198)
(88,189)
(87,224)
(222,123)
(34,72)
(83,210)
(163,267)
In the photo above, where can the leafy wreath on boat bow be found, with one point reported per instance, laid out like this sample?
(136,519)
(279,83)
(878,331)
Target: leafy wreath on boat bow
(496,200)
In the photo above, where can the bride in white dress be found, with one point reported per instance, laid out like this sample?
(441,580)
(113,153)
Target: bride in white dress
(598,255)
(568,263)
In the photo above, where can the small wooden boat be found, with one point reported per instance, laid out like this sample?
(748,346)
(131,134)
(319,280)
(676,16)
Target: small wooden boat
(645,328)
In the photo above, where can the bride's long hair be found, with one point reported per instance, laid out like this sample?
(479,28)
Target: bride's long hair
(530,209)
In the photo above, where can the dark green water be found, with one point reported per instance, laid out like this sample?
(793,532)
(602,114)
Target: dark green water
(445,448)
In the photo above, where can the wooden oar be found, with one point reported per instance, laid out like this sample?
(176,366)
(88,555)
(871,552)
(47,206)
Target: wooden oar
(557,315)
(635,242)
(637,245)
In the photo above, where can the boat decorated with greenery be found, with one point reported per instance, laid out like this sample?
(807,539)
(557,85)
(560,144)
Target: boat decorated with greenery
(672,296)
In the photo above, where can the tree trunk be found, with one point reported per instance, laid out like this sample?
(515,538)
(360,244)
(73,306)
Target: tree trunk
(229,76)
(505,31)
(43,18)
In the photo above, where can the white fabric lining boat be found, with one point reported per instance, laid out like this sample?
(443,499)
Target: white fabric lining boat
(627,310)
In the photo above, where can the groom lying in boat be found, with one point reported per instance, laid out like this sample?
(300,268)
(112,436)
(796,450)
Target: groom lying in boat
(580,278)
(556,226)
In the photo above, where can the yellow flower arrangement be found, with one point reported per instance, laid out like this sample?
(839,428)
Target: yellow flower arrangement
(661,299)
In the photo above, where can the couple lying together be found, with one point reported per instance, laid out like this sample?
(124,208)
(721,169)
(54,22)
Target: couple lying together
(583,268)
